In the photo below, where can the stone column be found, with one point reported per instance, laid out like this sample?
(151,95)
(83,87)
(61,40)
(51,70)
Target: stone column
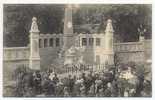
(94,43)
(141,33)
(109,42)
(34,62)
(87,39)
(142,41)
(48,42)
(42,42)
(80,41)
(141,38)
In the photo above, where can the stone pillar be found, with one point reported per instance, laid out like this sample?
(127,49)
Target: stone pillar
(48,42)
(94,44)
(80,41)
(141,31)
(87,39)
(141,38)
(109,42)
(34,62)
(42,43)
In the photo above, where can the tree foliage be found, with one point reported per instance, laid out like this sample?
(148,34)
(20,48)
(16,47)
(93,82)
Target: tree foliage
(126,20)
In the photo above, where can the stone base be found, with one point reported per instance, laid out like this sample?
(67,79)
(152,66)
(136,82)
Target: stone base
(34,64)
(110,59)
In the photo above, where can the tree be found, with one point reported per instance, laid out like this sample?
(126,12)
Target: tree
(17,22)
(126,20)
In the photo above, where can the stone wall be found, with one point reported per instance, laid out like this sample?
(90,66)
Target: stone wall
(14,57)
(91,53)
(148,49)
(15,53)
(134,51)
(49,51)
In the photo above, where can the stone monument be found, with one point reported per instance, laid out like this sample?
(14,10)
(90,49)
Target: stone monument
(34,63)
(109,43)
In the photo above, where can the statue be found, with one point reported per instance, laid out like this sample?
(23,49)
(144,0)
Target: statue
(34,26)
(141,30)
(109,27)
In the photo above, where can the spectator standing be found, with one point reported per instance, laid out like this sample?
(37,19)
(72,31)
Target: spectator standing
(107,92)
(55,79)
(66,93)
(59,88)
(19,84)
(37,82)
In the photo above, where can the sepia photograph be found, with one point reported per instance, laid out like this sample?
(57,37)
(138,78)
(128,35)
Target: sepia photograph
(77,50)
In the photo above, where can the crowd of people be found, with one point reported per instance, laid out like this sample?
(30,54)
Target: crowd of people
(90,84)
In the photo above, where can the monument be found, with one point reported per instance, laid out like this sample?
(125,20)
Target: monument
(109,42)
(34,46)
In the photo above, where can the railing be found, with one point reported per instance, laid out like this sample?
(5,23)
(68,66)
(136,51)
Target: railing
(78,69)
(85,67)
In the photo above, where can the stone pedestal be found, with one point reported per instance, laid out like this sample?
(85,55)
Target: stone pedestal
(34,62)
(109,42)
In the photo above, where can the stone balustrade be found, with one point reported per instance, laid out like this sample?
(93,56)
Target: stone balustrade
(16,53)
(50,40)
(148,44)
(128,47)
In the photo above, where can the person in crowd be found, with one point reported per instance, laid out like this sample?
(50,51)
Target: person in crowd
(77,85)
(91,92)
(126,92)
(74,92)
(98,85)
(45,86)
(147,88)
(107,92)
(74,78)
(52,88)
(71,83)
(28,84)
(20,84)
(55,79)
(92,84)
(100,92)
(28,92)
(139,85)
(37,82)
(66,93)
(82,90)
(59,89)
(120,84)
(88,82)
(51,75)
(132,92)
(114,92)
